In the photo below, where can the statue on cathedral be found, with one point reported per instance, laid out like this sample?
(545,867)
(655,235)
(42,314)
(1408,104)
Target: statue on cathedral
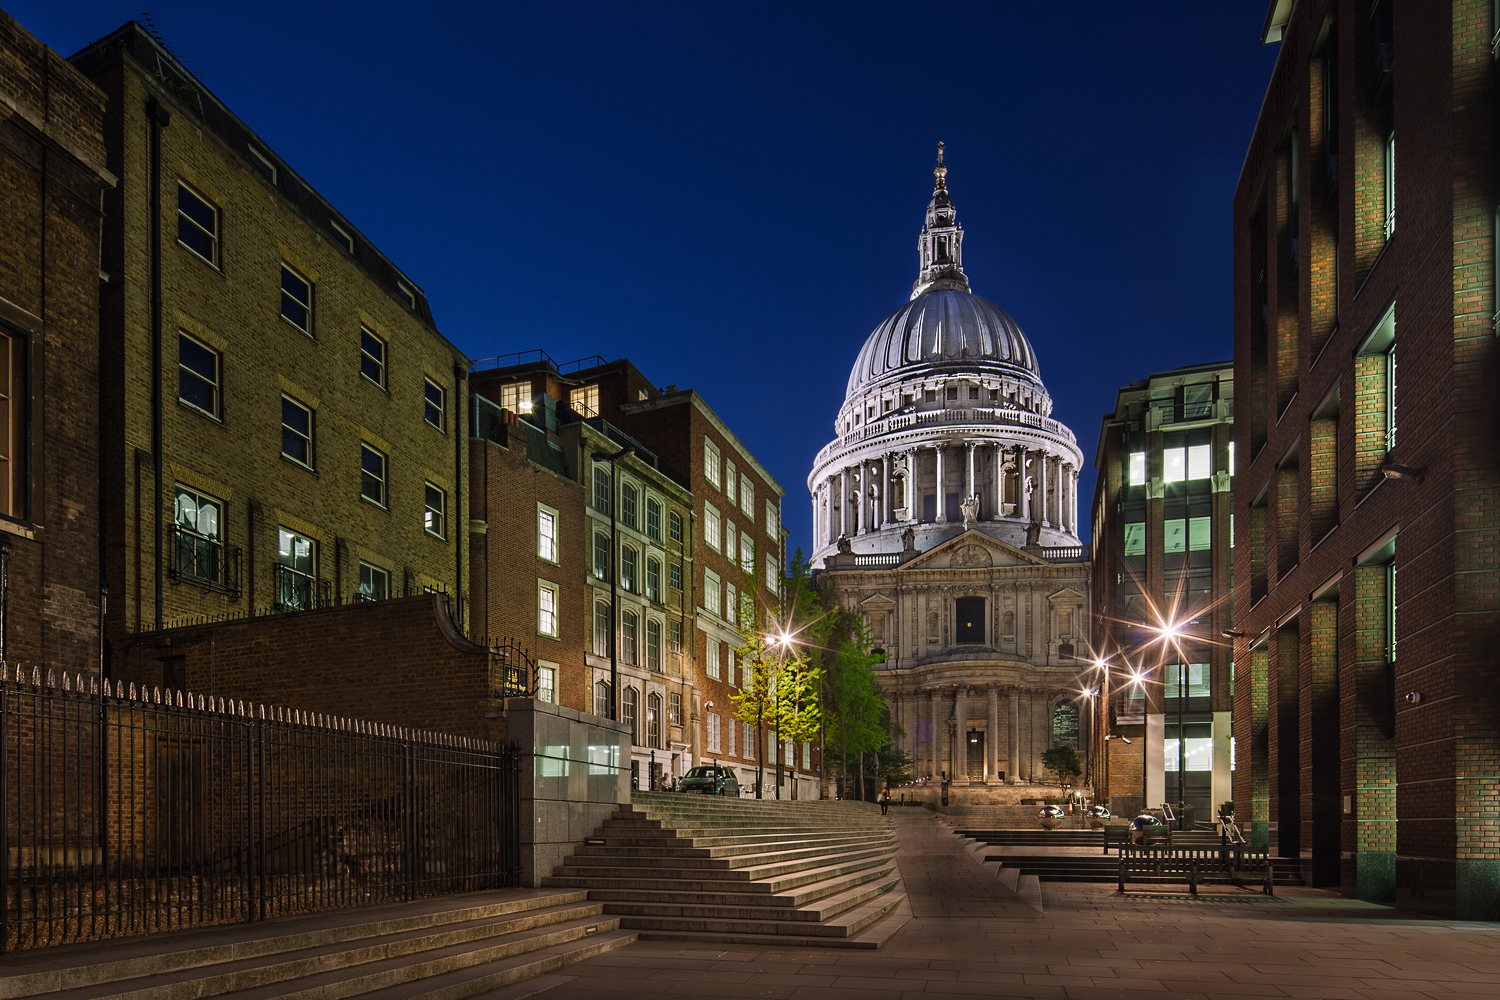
(909,540)
(845,545)
(1034,533)
(970,509)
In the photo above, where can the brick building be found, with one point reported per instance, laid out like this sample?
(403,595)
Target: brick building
(283,426)
(1366,711)
(690,519)
(1162,554)
(52,175)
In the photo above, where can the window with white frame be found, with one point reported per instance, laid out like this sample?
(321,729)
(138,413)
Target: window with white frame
(408,297)
(750,741)
(773,577)
(1135,538)
(546,533)
(296,571)
(372,357)
(747,496)
(372,475)
(731,540)
(807,756)
(584,400)
(653,720)
(198,375)
(516,397)
(731,604)
(197,520)
(731,663)
(630,637)
(630,712)
(296,431)
(731,481)
(711,527)
(601,628)
(712,664)
(674,636)
(432,403)
(546,682)
(629,560)
(674,709)
(601,555)
(713,733)
(374,583)
(733,728)
(674,526)
(712,593)
(629,501)
(197,224)
(296,300)
(263,164)
(712,470)
(674,576)
(546,608)
(341,236)
(653,518)
(773,519)
(1174,465)
(603,488)
(435,515)
(1200,532)
(601,700)
(747,552)
(653,645)
(653,579)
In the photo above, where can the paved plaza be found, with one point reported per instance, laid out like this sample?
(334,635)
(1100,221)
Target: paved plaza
(970,936)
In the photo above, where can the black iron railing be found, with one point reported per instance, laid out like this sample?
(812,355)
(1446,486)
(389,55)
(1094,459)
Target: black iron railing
(206,562)
(299,592)
(131,813)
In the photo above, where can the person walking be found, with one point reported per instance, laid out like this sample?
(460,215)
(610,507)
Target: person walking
(885,800)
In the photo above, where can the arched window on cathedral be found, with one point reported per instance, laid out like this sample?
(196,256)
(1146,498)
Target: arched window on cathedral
(1065,725)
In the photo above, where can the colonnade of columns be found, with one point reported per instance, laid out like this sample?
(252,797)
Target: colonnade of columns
(872,494)
(938,720)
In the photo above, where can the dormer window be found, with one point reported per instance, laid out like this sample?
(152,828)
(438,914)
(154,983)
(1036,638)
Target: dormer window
(407,296)
(263,165)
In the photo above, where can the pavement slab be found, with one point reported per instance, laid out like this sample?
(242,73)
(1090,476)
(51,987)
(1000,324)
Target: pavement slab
(972,936)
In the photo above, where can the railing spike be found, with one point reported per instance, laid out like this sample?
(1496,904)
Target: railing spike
(4,671)
(132,690)
(156,692)
(262,712)
(51,683)
(67,685)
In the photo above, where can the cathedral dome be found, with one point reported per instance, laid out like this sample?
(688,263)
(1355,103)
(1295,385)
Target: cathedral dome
(942,328)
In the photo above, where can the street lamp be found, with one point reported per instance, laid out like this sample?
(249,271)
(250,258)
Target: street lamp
(614,582)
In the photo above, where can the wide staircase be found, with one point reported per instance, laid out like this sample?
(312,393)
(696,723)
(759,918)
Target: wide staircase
(694,867)
(1086,860)
(437,950)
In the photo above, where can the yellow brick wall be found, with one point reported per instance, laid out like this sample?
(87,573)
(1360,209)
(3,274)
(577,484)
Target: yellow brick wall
(235,308)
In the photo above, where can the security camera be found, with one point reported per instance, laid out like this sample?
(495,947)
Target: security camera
(1414,697)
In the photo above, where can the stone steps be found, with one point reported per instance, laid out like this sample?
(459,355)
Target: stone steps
(436,955)
(699,868)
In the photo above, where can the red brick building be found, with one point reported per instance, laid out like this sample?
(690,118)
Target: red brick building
(1366,716)
(52,176)
(689,518)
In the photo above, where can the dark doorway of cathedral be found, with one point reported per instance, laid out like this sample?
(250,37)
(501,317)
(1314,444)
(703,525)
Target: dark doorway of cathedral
(976,755)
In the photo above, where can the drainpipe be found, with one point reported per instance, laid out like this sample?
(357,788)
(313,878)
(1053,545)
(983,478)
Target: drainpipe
(159,117)
(461,501)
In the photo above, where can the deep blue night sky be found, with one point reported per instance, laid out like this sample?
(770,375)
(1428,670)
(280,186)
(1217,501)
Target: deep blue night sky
(730,195)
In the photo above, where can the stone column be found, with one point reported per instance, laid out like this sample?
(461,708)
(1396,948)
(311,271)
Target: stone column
(990,750)
(843,501)
(961,735)
(1012,736)
(885,489)
(969,479)
(929,750)
(860,517)
(1023,459)
(942,513)
(999,481)
(909,487)
(1041,488)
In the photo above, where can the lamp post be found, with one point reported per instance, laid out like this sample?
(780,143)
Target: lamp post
(614,583)
(1181,748)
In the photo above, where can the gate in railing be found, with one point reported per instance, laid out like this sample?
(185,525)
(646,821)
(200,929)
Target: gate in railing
(128,813)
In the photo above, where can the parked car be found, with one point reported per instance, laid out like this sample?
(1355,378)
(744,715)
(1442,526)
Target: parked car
(710,779)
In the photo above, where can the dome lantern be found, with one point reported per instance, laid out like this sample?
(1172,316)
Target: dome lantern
(940,245)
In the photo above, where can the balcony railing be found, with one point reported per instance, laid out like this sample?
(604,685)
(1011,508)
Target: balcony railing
(959,417)
(299,592)
(205,562)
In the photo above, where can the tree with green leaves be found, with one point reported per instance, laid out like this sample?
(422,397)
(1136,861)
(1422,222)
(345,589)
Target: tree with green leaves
(858,720)
(781,688)
(1063,761)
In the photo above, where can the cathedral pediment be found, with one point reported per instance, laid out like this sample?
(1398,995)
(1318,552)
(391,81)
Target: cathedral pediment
(877,602)
(972,550)
(1067,596)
